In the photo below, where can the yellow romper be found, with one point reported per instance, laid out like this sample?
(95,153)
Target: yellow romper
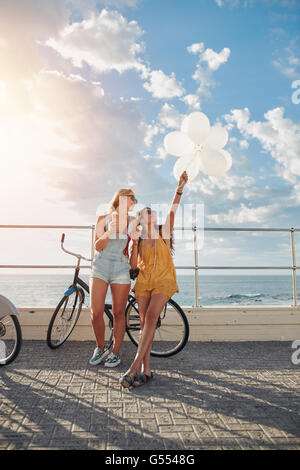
(162,280)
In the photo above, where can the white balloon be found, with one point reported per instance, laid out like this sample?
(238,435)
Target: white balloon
(198,154)
(213,163)
(190,164)
(217,138)
(196,126)
(176,143)
(228,158)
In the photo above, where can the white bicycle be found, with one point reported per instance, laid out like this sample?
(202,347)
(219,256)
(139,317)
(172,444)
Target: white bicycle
(10,332)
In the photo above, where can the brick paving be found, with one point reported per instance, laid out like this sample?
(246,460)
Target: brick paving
(210,396)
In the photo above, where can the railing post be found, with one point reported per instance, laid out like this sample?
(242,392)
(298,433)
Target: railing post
(196,267)
(92,247)
(294,267)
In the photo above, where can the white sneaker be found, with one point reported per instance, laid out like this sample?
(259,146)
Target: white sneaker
(112,360)
(99,355)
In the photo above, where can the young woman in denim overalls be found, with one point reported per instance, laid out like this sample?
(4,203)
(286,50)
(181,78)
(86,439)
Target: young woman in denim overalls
(111,266)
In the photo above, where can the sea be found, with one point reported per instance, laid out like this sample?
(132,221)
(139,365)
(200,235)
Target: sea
(36,290)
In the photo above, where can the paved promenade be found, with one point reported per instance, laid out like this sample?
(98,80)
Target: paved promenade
(210,396)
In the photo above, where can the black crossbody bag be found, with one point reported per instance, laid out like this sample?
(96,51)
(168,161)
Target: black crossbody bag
(134,273)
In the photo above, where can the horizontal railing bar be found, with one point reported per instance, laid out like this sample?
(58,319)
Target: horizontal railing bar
(236,267)
(49,226)
(41,266)
(177,267)
(175,228)
(254,229)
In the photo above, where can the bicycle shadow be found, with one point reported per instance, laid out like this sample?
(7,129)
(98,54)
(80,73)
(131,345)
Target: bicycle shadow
(41,409)
(56,400)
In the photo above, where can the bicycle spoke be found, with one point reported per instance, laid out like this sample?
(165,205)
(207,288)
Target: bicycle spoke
(10,339)
(171,333)
(64,319)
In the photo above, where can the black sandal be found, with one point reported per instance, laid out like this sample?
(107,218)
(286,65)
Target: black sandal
(142,379)
(127,380)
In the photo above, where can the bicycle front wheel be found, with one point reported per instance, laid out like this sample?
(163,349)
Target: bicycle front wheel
(10,339)
(171,332)
(64,318)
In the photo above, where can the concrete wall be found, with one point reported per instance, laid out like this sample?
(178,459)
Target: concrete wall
(206,323)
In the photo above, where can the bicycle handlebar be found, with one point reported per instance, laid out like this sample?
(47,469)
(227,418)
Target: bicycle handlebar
(70,252)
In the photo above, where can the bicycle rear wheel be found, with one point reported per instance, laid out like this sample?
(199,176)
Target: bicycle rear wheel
(64,318)
(171,332)
(10,339)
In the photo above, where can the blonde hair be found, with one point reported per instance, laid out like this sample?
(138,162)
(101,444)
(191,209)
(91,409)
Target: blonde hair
(114,202)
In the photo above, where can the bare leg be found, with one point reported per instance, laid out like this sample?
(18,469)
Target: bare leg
(119,293)
(155,306)
(143,303)
(146,368)
(98,290)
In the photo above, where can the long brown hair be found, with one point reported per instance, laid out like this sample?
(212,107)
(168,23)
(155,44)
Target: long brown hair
(160,232)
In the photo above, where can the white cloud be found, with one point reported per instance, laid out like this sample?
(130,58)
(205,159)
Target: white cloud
(233,3)
(236,199)
(108,41)
(279,137)
(170,117)
(165,86)
(196,47)
(102,142)
(209,61)
(288,63)
(151,131)
(105,41)
(243,144)
(215,59)
(161,153)
(92,4)
(245,3)
(192,101)
(245,215)
(218,188)
(82,145)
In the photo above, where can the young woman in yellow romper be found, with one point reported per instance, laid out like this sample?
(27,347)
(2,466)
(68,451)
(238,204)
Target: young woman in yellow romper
(156,282)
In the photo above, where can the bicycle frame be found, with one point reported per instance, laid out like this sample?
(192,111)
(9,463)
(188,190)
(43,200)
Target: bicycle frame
(76,279)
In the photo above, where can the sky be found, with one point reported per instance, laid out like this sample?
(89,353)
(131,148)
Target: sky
(89,89)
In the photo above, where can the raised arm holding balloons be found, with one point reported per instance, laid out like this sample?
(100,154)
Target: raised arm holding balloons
(199,146)
(168,226)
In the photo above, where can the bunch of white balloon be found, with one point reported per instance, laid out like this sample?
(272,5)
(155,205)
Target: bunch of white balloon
(199,146)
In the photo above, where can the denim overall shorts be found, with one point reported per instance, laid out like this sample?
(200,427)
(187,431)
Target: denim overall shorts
(110,264)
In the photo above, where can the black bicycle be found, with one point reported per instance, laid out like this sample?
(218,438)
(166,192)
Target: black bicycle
(172,328)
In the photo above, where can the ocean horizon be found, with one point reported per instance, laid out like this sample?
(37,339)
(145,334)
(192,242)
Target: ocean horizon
(35,290)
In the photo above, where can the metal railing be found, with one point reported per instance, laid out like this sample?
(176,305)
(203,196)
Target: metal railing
(194,267)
